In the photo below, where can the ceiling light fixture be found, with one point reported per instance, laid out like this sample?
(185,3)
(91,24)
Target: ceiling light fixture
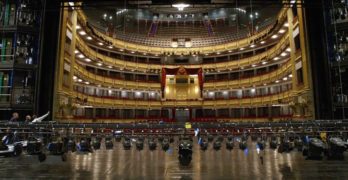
(181,6)
(82,33)
(100,43)
(281,31)
(88,60)
(89,38)
(263,42)
(275,36)
(276,58)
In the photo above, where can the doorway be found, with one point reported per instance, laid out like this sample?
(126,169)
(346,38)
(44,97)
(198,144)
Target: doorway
(182,115)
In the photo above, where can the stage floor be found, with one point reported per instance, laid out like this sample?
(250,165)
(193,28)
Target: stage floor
(210,164)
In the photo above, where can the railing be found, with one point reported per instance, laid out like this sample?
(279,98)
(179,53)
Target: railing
(255,80)
(97,79)
(274,51)
(159,50)
(268,78)
(139,104)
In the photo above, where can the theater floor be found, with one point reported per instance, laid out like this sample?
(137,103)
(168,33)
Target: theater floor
(211,164)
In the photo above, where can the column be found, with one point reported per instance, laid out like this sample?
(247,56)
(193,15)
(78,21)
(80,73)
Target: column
(73,44)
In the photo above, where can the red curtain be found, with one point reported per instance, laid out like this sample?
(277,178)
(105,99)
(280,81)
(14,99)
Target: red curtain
(163,80)
(189,71)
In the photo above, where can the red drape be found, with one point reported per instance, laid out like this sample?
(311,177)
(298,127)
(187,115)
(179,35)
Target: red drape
(163,81)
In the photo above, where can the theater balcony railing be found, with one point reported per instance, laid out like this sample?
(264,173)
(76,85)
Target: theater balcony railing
(158,50)
(258,80)
(93,101)
(115,83)
(235,64)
